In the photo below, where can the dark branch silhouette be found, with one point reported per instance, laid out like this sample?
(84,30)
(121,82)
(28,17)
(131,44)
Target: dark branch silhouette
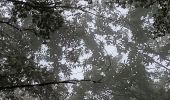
(48,83)
(8,23)
(15,27)
(166,67)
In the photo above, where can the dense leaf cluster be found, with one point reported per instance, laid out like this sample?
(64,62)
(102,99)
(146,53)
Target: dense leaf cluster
(45,17)
(160,13)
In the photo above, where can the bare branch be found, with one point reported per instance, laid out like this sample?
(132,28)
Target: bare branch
(48,83)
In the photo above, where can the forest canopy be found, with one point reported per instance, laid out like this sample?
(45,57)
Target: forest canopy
(84,49)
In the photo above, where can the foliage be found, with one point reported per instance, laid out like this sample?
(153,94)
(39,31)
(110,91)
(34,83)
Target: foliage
(160,10)
(41,44)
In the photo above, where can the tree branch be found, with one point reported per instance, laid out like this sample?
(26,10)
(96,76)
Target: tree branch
(48,83)
(8,23)
(58,5)
(157,62)
(15,27)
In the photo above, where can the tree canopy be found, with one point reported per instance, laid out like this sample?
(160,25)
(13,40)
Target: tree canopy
(84,49)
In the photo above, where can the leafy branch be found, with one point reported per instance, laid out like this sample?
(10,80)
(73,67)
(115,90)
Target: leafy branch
(157,62)
(15,27)
(8,23)
(58,5)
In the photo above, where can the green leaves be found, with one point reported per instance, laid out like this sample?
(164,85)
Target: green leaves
(80,35)
(45,19)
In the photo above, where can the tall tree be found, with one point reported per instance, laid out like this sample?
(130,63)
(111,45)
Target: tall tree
(42,41)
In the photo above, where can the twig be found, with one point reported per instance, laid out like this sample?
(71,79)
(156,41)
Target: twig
(158,63)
